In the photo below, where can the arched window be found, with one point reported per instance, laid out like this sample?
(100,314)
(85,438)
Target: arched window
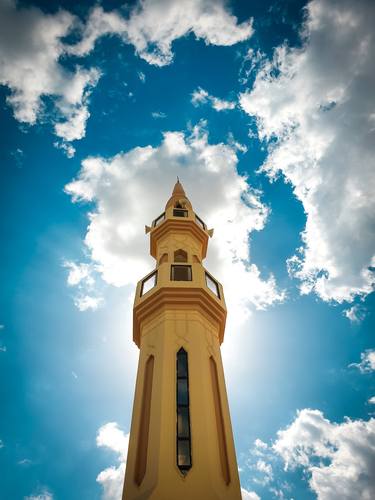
(180,256)
(179,209)
(183,438)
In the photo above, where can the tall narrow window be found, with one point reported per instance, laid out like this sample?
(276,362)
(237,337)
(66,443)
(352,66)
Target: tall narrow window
(220,422)
(144,426)
(183,438)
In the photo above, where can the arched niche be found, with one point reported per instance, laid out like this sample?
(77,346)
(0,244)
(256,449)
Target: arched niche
(180,256)
(163,258)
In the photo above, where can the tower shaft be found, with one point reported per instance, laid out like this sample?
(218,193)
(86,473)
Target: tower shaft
(181,443)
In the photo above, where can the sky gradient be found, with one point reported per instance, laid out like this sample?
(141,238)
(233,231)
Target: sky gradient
(265,111)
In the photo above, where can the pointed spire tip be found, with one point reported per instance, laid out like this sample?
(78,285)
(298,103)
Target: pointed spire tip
(178,190)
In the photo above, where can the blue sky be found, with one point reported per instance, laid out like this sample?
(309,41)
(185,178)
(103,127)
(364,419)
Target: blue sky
(265,111)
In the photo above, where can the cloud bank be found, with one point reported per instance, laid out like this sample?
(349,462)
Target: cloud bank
(153,25)
(313,107)
(339,458)
(32,53)
(120,189)
(30,49)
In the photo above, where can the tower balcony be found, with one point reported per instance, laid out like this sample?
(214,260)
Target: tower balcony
(178,222)
(179,287)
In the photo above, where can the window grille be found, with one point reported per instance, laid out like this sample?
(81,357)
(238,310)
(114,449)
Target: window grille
(212,285)
(200,223)
(149,282)
(159,219)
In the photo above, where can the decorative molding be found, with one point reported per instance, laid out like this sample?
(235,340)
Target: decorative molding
(187,227)
(168,298)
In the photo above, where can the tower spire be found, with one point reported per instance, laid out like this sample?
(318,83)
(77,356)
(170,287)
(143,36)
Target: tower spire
(178,190)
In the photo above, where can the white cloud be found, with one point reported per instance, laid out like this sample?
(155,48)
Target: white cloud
(221,104)
(45,494)
(112,478)
(316,101)
(259,463)
(158,114)
(338,458)
(355,314)
(201,96)
(153,25)
(81,276)
(25,462)
(237,146)
(249,495)
(142,76)
(120,187)
(372,400)
(111,436)
(260,445)
(88,302)
(367,363)
(30,51)
(68,149)
(266,470)
(3,348)
(250,62)
(79,273)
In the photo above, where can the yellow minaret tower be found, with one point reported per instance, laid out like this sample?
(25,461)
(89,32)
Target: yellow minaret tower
(181,443)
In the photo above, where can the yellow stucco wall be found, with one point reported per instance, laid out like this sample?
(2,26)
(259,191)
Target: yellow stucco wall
(163,337)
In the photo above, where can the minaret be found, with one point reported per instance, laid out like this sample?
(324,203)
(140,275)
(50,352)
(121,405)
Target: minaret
(181,443)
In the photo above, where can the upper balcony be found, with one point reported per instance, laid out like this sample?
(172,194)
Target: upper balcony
(179,286)
(178,220)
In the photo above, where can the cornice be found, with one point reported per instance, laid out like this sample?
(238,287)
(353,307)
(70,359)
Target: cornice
(181,226)
(178,298)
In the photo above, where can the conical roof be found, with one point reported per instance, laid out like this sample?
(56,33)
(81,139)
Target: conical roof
(178,193)
(178,190)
